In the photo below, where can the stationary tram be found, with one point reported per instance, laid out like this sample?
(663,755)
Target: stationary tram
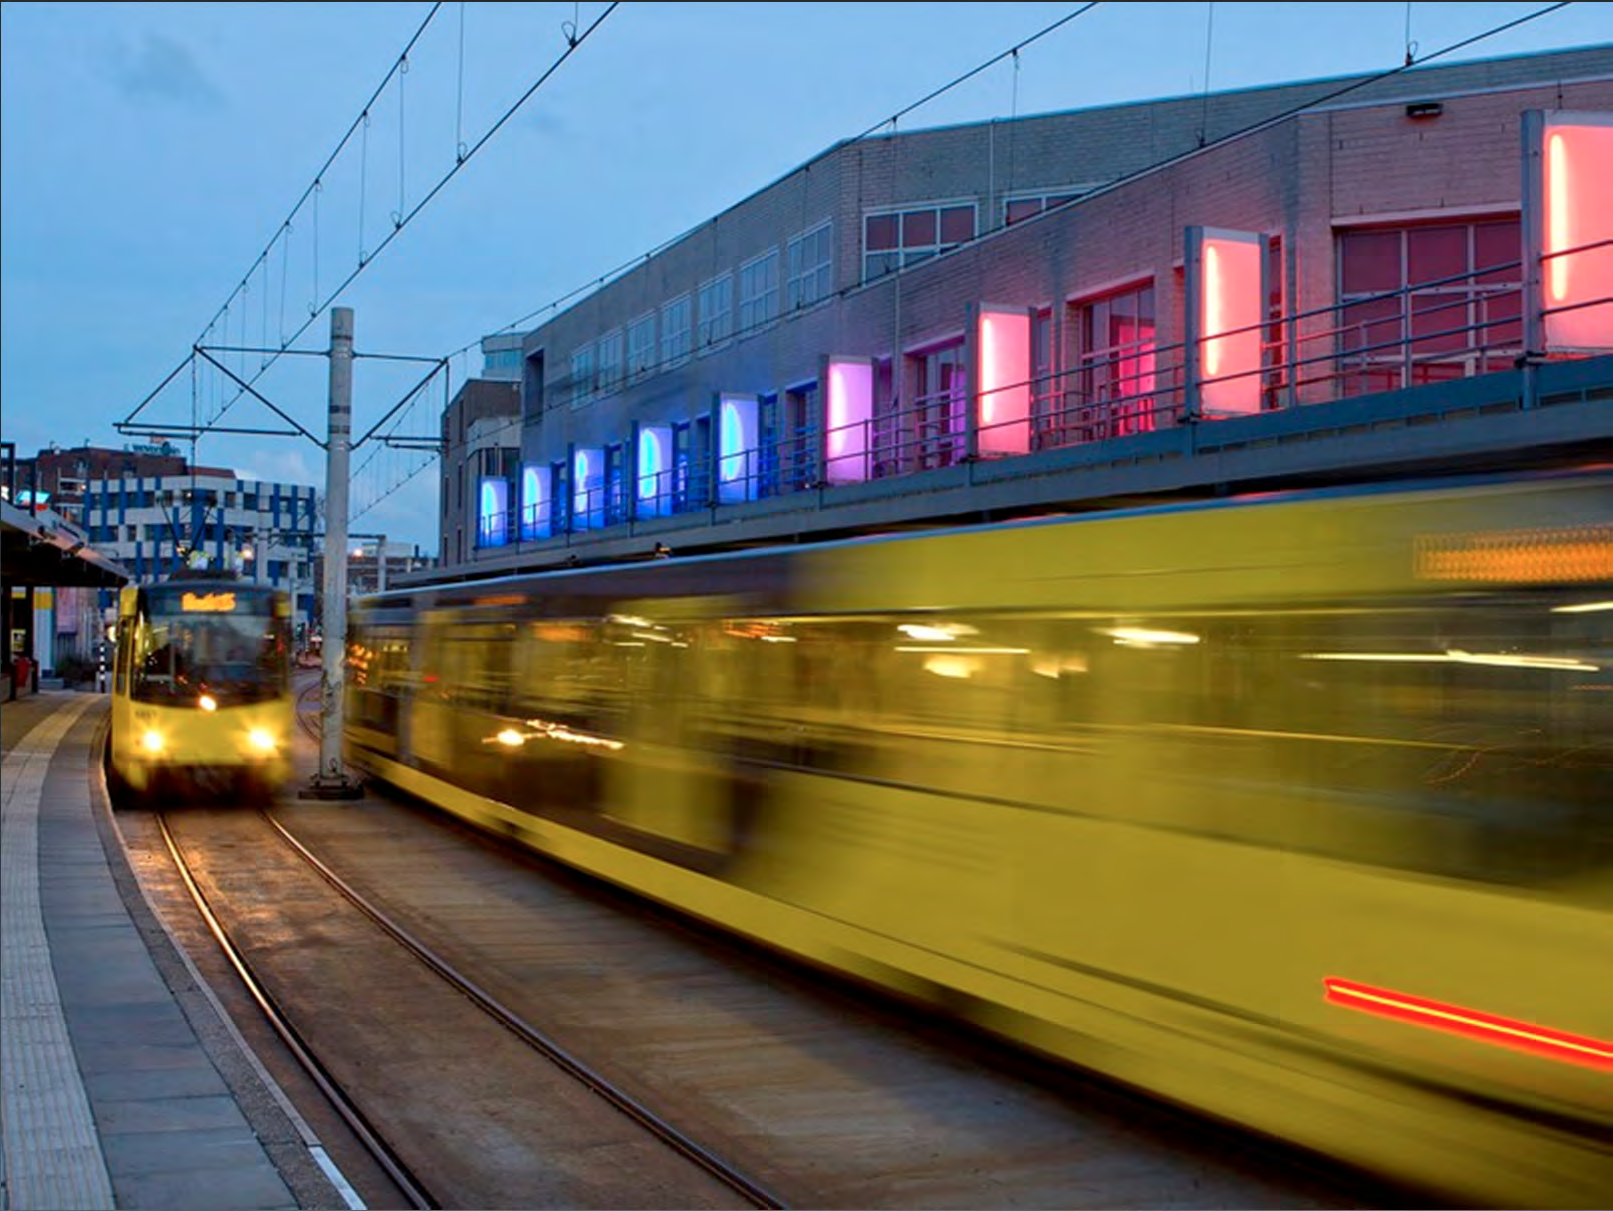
(1297,810)
(201,687)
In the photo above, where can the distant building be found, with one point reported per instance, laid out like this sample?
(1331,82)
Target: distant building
(1353,277)
(269,533)
(501,357)
(59,477)
(377,564)
(481,435)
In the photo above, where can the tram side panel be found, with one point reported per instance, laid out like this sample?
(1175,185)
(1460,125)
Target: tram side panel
(1141,791)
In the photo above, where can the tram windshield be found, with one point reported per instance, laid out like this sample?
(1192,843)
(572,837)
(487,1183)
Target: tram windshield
(227,644)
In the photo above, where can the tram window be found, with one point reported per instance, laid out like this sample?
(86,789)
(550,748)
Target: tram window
(476,664)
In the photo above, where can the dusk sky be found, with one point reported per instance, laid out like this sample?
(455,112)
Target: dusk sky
(152,152)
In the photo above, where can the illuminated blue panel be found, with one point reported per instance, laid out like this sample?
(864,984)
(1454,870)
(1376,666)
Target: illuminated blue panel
(493,514)
(535,519)
(654,472)
(737,451)
(588,489)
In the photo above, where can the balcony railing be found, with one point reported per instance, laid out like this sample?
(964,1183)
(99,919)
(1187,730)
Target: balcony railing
(1441,330)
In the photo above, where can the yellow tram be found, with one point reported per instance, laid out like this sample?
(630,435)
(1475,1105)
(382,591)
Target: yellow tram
(1297,810)
(201,687)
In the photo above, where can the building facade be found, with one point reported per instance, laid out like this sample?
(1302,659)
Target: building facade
(270,533)
(59,478)
(481,440)
(1195,295)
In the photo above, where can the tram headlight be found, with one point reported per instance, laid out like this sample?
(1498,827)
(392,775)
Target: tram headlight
(151,741)
(261,740)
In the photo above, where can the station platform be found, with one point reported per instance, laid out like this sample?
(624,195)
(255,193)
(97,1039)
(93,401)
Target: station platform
(124,1084)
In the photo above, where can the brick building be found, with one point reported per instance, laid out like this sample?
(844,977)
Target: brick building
(1187,296)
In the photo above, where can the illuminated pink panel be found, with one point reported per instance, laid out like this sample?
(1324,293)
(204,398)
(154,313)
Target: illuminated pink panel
(1004,419)
(850,406)
(1231,306)
(1577,159)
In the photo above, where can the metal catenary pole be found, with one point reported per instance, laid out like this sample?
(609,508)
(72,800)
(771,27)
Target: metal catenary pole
(332,781)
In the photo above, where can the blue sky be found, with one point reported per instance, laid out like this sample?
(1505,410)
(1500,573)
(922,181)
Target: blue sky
(149,153)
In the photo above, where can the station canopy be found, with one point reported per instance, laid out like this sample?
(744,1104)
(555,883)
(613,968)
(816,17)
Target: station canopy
(39,549)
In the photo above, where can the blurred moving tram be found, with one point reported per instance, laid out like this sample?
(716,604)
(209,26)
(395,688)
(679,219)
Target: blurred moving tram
(1297,810)
(201,688)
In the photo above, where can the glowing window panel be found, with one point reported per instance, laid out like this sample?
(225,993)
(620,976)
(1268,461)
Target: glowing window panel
(736,449)
(850,405)
(588,489)
(1004,407)
(1485,1027)
(654,471)
(1231,305)
(1577,163)
(534,503)
(492,522)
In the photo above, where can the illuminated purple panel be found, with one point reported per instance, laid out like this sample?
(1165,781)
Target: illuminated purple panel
(1231,312)
(1004,406)
(1577,161)
(588,489)
(736,449)
(534,503)
(654,471)
(850,406)
(492,521)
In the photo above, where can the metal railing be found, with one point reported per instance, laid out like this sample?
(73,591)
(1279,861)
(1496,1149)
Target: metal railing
(1455,327)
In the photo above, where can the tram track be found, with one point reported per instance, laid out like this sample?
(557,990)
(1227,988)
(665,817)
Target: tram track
(375,1109)
(286,1029)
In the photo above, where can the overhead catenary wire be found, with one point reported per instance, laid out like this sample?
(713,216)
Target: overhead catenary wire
(625,266)
(1012,52)
(573,42)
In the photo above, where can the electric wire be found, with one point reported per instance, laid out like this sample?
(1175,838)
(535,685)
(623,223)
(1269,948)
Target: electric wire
(606,278)
(574,41)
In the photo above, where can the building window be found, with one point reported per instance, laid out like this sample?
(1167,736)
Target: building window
(789,441)
(1428,303)
(1021,207)
(940,397)
(809,277)
(582,375)
(895,239)
(1045,386)
(641,346)
(1113,389)
(676,318)
(610,360)
(1275,380)
(758,291)
(716,306)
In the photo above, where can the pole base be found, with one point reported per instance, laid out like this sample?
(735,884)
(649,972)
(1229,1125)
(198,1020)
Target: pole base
(324,786)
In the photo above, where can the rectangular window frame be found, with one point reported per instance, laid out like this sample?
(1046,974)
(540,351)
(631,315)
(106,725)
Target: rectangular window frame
(612,360)
(676,322)
(583,370)
(810,267)
(715,305)
(913,223)
(641,346)
(759,291)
